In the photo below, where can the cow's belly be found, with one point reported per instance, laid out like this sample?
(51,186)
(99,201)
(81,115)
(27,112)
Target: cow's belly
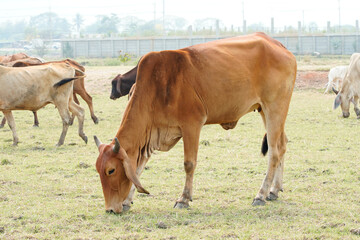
(22,102)
(228,116)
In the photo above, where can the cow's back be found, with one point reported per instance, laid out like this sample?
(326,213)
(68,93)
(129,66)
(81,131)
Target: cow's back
(227,78)
(30,88)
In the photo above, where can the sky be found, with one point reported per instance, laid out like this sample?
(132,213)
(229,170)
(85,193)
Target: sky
(230,12)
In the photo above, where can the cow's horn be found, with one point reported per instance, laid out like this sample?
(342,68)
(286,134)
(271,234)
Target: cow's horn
(97,141)
(335,91)
(130,173)
(116,147)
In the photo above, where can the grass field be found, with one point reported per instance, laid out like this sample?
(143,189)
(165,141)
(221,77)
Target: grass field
(49,192)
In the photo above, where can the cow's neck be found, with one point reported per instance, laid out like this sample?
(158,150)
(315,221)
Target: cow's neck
(135,132)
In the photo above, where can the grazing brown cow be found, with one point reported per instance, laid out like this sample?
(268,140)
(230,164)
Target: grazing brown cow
(79,86)
(34,87)
(14,57)
(122,83)
(178,92)
(350,89)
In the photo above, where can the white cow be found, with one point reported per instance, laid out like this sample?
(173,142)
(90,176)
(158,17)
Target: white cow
(336,76)
(31,88)
(350,90)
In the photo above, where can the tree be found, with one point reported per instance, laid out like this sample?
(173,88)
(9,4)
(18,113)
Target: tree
(49,25)
(104,24)
(78,21)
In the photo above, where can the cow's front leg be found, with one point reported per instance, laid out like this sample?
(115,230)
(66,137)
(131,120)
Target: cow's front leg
(356,106)
(191,144)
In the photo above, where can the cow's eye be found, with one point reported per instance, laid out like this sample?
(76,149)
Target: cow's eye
(111,171)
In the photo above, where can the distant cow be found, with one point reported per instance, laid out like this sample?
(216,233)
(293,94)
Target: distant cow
(34,87)
(14,57)
(79,87)
(179,91)
(20,62)
(350,90)
(122,83)
(335,78)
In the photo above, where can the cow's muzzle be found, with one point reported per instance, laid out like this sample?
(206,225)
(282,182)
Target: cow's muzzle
(346,114)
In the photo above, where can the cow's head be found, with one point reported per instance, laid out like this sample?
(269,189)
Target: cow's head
(115,87)
(117,175)
(343,100)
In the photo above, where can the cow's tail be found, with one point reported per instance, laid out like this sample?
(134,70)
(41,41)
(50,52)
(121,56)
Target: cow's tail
(264,146)
(64,81)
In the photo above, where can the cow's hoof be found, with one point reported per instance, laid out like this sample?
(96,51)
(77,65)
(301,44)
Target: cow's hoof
(95,120)
(258,202)
(1,126)
(35,125)
(272,197)
(181,205)
(85,138)
(126,208)
(15,144)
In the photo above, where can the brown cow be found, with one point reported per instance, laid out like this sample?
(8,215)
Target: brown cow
(178,92)
(14,63)
(79,87)
(21,62)
(14,57)
(34,87)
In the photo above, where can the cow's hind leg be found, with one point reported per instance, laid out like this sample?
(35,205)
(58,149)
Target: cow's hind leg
(278,178)
(191,143)
(10,119)
(276,140)
(79,113)
(88,99)
(65,117)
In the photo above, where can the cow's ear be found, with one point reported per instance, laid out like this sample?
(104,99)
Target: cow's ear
(337,101)
(131,174)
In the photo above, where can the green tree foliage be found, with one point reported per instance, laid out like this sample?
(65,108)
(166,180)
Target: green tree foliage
(104,25)
(49,25)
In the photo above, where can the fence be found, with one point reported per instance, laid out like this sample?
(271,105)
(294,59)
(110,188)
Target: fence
(300,45)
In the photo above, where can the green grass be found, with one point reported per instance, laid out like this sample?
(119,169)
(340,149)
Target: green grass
(55,193)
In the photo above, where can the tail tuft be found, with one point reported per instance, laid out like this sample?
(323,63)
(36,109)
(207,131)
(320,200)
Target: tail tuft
(62,82)
(264,146)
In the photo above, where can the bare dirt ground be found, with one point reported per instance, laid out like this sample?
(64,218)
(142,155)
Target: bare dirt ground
(98,79)
(311,79)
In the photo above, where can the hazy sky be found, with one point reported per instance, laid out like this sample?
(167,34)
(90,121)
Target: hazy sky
(230,12)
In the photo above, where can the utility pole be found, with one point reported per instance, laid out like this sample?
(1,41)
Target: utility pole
(164,17)
(339,17)
(154,15)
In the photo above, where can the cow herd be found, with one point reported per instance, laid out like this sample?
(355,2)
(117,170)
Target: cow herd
(172,95)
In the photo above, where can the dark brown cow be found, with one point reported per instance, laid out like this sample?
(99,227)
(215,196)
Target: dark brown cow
(178,92)
(79,87)
(122,83)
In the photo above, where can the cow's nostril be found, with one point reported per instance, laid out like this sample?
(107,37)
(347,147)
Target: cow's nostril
(110,211)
